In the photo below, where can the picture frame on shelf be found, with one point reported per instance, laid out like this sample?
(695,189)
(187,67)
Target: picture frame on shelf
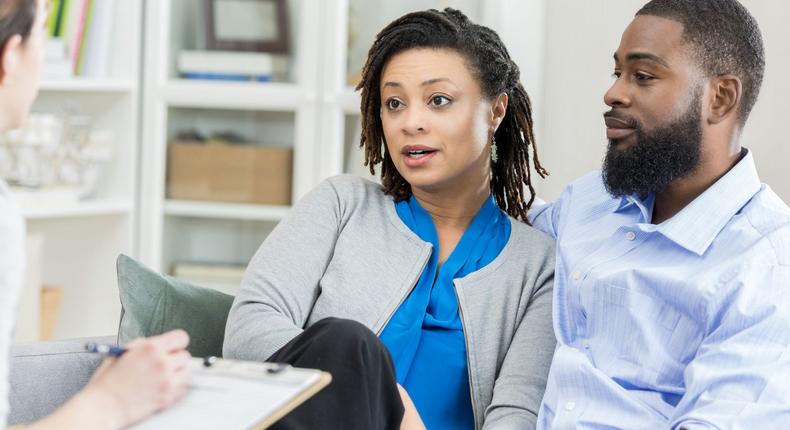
(247,25)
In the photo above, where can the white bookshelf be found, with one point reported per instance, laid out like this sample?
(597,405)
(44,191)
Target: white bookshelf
(88,209)
(349,100)
(316,112)
(78,85)
(282,97)
(280,114)
(237,211)
(81,239)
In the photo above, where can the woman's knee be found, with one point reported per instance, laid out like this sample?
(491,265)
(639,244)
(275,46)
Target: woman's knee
(341,332)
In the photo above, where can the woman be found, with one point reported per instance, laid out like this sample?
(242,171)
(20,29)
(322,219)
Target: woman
(152,373)
(436,267)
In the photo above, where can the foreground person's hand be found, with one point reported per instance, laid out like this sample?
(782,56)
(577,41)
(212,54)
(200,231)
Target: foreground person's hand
(150,376)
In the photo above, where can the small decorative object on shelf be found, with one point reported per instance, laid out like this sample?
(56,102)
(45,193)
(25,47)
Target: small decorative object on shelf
(51,298)
(50,152)
(247,40)
(227,168)
(247,25)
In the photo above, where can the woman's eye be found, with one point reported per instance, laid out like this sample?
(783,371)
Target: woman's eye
(643,77)
(439,101)
(616,74)
(394,104)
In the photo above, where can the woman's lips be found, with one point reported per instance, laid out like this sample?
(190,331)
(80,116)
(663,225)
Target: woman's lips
(418,159)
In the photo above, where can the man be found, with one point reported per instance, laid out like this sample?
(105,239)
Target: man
(672,288)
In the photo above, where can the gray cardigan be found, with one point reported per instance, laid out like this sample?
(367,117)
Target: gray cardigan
(342,251)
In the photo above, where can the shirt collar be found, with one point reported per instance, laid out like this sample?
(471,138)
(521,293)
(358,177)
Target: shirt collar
(697,225)
(644,204)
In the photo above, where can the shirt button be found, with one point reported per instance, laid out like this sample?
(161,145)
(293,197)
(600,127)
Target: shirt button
(630,235)
(570,406)
(577,275)
(587,345)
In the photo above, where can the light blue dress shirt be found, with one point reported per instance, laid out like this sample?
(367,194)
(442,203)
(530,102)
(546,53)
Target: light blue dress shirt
(681,324)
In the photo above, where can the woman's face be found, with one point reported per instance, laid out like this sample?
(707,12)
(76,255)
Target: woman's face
(437,123)
(21,68)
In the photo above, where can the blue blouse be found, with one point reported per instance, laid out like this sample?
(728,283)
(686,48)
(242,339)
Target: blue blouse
(425,336)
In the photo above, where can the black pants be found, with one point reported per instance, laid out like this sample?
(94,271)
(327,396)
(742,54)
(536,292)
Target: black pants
(363,393)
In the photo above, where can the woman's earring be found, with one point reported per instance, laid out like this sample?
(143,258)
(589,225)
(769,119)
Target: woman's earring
(494,155)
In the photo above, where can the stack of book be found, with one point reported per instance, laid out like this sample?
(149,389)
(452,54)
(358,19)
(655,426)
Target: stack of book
(232,66)
(219,276)
(80,33)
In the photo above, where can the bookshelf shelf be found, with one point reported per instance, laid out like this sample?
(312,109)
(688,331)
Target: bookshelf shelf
(89,86)
(80,239)
(234,211)
(46,211)
(235,95)
(349,100)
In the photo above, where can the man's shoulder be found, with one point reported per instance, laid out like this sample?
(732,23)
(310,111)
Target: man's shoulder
(587,196)
(769,215)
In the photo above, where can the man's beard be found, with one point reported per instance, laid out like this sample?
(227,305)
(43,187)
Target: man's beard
(658,157)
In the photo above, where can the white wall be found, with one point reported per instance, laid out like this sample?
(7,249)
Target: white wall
(766,131)
(581,37)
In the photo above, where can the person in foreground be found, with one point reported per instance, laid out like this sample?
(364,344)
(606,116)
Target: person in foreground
(436,268)
(672,293)
(151,374)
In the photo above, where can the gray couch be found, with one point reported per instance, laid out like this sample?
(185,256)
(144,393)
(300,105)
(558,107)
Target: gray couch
(45,374)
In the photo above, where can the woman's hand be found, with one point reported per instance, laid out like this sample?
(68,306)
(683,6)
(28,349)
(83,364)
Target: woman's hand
(411,418)
(150,376)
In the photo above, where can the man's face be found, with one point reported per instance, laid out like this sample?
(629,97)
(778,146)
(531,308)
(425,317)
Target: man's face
(655,126)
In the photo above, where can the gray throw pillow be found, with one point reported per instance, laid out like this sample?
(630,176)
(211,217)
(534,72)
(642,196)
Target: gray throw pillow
(153,304)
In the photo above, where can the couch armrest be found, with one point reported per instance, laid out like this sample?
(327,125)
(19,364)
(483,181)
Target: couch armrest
(43,375)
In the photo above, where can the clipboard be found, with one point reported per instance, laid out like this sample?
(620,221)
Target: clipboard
(237,395)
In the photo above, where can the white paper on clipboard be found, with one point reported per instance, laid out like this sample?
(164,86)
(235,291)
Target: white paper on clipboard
(237,395)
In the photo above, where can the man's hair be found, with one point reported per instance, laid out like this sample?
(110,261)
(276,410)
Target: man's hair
(724,37)
(16,17)
(491,66)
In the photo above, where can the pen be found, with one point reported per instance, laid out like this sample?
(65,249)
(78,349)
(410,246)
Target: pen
(104,349)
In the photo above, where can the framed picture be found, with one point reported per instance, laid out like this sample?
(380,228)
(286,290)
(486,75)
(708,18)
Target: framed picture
(247,25)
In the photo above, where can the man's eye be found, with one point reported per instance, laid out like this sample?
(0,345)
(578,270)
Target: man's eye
(616,74)
(439,101)
(394,104)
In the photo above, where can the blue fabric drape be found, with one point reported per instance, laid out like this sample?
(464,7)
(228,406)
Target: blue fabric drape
(425,335)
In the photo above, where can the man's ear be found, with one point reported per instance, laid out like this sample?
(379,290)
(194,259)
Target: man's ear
(9,58)
(726,94)
(498,110)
